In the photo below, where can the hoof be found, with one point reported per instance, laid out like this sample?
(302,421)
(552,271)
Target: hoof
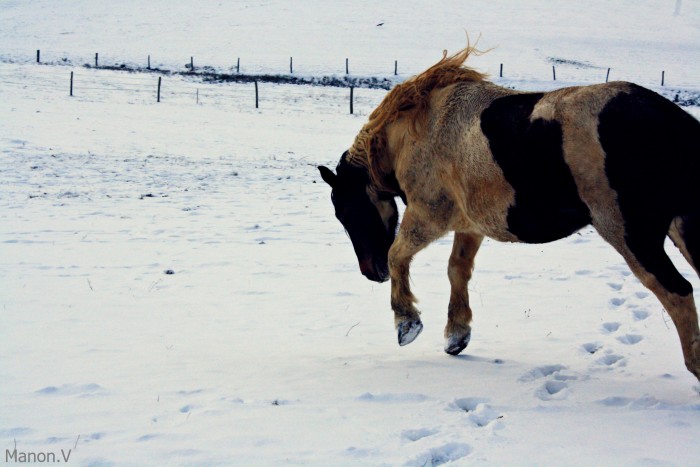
(455,344)
(408,331)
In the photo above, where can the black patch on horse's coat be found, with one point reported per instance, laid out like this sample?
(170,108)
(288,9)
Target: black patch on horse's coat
(651,160)
(547,205)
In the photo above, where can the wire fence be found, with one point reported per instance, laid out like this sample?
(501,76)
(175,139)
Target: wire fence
(263,64)
(206,86)
(520,67)
(100,85)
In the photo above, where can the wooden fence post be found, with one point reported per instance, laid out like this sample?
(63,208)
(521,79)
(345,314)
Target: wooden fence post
(500,73)
(38,54)
(663,76)
(96,56)
(256,94)
(347,67)
(159,79)
(352,97)
(396,67)
(238,65)
(149,62)
(607,75)
(291,68)
(554,73)
(71,84)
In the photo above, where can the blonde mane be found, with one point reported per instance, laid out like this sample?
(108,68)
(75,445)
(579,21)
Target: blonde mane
(410,100)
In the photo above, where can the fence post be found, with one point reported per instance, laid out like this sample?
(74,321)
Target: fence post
(191,64)
(238,65)
(149,62)
(159,79)
(38,54)
(663,75)
(554,73)
(347,67)
(256,94)
(396,67)
(352,89)
(96,56)
(500,73)
(607,75)
(71,84)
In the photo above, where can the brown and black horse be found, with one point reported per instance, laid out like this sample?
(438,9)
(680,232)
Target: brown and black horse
(468,156)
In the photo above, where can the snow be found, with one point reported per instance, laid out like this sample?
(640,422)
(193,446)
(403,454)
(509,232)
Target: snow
(176,291)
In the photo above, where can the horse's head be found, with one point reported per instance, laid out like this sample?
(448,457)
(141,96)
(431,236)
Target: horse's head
(369,217)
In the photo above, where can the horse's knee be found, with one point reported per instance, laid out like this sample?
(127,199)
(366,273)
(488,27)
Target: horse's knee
(393,256)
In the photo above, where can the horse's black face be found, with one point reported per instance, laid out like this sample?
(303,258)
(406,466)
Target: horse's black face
(369,219)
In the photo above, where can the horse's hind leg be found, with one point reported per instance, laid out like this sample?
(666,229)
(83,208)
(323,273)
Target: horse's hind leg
(685,233)
(459,315)
(642,247)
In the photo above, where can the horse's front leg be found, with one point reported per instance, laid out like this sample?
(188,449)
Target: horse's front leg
(412,237)
(459,316)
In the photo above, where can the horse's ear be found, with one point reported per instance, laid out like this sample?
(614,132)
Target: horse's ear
(327,175)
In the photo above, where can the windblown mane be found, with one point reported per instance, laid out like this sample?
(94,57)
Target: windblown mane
(409,99)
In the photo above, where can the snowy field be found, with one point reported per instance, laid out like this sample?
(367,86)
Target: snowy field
(174,288)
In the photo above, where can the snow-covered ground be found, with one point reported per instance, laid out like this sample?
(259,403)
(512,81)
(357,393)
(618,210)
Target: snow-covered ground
(174,288)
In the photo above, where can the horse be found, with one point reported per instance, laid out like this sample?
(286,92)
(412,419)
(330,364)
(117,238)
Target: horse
(470,157)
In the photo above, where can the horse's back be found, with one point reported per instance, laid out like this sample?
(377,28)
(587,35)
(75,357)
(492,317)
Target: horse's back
(576,153)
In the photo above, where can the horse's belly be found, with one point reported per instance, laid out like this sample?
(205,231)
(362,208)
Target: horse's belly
(545,223)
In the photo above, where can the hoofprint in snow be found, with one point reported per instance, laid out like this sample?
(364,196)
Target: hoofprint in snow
(175,290)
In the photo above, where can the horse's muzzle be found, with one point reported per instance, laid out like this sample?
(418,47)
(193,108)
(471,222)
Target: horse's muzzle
(374,272)
(378,277)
